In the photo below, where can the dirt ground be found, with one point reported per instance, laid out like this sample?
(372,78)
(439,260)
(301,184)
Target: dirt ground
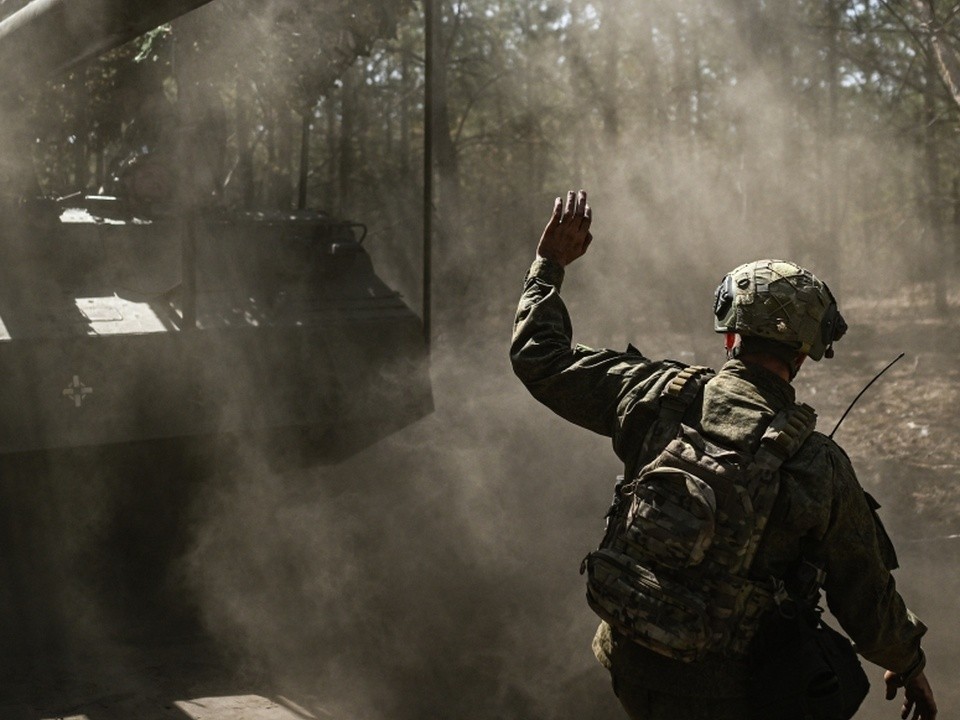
(434,575)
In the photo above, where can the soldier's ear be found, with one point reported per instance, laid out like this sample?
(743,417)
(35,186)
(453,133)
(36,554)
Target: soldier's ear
(731,344)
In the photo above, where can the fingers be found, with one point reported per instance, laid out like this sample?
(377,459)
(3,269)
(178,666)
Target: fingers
(581,203)
(575,207)
(554,220)
(907,707)
(918,702)
(576,210)
(918,699)
(567,234)
(923,708)
(890,680)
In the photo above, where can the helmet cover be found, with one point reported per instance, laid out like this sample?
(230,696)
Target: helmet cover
(782,302)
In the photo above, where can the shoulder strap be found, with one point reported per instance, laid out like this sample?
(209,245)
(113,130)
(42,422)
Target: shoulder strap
(788,430)
(677,395)
(681,391)
(675,398)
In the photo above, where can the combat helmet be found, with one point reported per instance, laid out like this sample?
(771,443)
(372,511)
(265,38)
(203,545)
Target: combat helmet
(779,301)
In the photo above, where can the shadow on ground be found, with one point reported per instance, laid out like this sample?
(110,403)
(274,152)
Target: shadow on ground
(97,620)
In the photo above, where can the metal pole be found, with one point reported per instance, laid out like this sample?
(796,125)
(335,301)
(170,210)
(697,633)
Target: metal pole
(429,31)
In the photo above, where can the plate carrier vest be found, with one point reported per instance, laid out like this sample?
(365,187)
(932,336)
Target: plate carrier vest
(673,570)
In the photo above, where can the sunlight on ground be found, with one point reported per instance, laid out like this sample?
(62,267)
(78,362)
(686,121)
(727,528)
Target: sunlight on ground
(243,707)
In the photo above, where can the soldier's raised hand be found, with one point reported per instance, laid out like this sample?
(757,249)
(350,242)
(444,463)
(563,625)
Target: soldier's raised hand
(567,234)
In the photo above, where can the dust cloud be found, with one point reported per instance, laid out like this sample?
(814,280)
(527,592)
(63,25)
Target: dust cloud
(435,574)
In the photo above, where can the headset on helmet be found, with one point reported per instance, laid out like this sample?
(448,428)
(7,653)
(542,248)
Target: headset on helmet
(779,301)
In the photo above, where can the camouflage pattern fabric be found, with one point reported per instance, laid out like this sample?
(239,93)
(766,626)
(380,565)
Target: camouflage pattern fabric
(820,502)
(779,301)
(673,570)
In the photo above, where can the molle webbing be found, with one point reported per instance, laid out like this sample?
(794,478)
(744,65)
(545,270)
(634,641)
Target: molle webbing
(783,437)
(681,391)
(786,433)
(673,571)
(675,398)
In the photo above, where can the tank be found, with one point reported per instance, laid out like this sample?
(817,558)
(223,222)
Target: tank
(118,325)
(71,31)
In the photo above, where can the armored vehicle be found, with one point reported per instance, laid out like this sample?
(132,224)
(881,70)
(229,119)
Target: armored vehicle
(119,325)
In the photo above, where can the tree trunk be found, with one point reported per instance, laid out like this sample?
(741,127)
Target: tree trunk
(406,90)
(932,173)
(268,180)
(244,145)
(955,235)
(305,121)
(81,163)
(346,164)
(331,200)
(947,60)
(609,108)
(681,96)
(447,163)
(101,167)
(829,246)
(285,156)
(655,119)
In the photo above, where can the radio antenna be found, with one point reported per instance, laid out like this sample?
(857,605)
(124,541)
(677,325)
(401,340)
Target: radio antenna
(865,387)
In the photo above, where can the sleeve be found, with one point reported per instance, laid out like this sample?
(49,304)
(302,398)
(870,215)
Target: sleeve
(611,393)
(860,589)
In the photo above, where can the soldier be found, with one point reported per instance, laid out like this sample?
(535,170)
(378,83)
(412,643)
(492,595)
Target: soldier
(773,316)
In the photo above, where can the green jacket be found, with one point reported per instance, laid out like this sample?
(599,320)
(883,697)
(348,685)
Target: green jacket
(821,503)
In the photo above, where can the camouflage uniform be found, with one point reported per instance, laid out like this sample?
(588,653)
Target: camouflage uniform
(820,503)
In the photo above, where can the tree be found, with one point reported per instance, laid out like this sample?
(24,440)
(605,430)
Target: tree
(806,129)
(937,33)
(237,71)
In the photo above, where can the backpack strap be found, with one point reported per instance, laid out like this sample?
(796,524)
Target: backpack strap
(788,430)
(675,398)
(784,436)
(677,395)
(681,391)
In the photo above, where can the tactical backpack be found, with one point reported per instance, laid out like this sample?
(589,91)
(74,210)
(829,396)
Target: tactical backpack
(672,572)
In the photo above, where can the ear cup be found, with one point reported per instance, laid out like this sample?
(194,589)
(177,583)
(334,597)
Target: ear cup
(723,299)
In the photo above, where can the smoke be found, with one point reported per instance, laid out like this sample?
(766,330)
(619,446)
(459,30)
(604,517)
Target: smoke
(432,575)
(435,573)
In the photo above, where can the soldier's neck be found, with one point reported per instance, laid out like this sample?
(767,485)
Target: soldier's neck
(768,362)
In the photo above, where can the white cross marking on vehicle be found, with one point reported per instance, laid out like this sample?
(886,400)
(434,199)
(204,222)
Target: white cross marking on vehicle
(77,391)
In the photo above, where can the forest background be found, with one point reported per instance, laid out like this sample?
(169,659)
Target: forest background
(708,133)
(823,132)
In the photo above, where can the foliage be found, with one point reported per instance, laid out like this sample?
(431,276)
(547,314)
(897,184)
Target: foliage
(725,130)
